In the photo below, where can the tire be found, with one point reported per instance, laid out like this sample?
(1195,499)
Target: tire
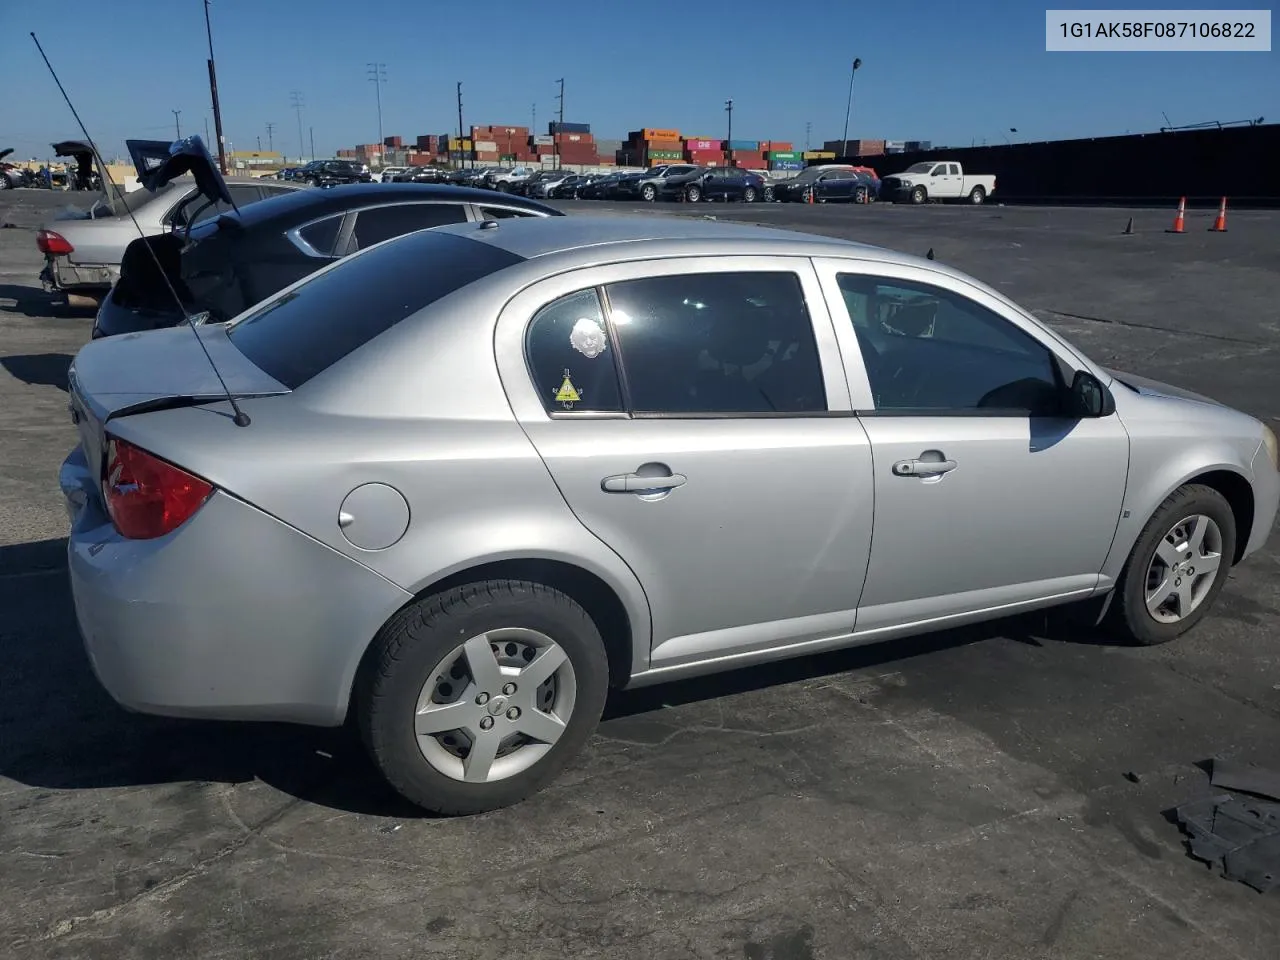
(503,187)
(693,194)
(768,195)
(400,676)
(4,182)
(860,195)
(919,195)
(977,195)
(648,192)
(749,195)
(1129,617)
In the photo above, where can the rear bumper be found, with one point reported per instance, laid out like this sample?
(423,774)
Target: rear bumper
(234,616)
(59,273)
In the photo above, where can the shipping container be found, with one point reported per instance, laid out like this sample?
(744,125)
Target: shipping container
(664,156)
(396,142)
(783,155)
(488,146)
(655,133)
(557,127)
(702,145)
(783,146)
(912,146)
(539,141)
(573,138)
(486,156)
(819,155)
(701,156)
(676,145)
(786,165)
(741,144)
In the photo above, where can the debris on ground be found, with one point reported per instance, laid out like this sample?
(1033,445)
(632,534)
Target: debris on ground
(1239,834)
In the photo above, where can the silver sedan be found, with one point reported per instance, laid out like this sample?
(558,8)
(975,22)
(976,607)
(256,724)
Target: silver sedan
(462,502)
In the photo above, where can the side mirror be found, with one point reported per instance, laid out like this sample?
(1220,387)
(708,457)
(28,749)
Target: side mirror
(1089,398)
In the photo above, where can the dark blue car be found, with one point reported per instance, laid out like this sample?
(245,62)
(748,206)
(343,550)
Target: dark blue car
(716,183)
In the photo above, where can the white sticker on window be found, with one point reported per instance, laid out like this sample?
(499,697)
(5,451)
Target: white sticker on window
(588,338)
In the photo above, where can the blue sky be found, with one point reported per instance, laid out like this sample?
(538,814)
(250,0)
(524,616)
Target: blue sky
(932,70)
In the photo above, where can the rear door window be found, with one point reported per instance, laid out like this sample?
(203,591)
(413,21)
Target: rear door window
(570,357)
(383,223)
(717,344)
(296,335)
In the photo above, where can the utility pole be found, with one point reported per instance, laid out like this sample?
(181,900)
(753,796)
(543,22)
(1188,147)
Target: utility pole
(808,134)
(728,142)
(177,130)
(271,147)
(857,62)
(295,101)
(312,131)
(259,144)
(207,141)
(378,76)
(213,92)
(560,128)
(533,119)
(461,151)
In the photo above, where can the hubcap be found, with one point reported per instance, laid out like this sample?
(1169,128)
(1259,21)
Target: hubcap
(495,705)
(1183,569)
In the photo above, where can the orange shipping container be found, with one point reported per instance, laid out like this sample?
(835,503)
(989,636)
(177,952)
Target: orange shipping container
(782,146)
(677,145)
(651,133)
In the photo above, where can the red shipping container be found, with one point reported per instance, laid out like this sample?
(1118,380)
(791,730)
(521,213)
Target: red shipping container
(782,146)
(574,138)
(751,164)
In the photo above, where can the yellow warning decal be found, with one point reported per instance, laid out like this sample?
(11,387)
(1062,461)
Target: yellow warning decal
(567,393)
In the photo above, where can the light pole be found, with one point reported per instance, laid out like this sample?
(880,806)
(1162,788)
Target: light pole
(728,142)
(857,62)
(295,101)
(177,130)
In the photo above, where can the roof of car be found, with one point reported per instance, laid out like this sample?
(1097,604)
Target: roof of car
(311,203)
(543,236)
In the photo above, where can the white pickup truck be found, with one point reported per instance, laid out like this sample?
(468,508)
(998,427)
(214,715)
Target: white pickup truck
(937,180)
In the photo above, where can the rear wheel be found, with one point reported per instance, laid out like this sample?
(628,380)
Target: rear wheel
(648,192)
(977,195)
(1176,568)
(860,195)
(749,195)
(475,698)
(693,194)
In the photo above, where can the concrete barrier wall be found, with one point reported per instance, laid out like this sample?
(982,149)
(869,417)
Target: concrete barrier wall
(1202,165)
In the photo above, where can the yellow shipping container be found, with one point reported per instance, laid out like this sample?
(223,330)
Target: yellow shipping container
(819,155)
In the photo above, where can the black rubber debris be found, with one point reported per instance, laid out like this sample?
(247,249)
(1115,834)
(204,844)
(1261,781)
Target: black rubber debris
(1241,835)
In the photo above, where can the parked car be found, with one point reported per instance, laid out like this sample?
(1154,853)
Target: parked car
(331,173)
(602,187)
(451,514)
(938,180)
(83,250)
(542,183)
(714,183)
(830,183)
(422,175)
(567,189)
(389,174)
(505,181)
(222,267)
(11,175)
(648,185)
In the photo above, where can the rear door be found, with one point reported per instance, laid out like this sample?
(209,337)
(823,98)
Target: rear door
(693,414)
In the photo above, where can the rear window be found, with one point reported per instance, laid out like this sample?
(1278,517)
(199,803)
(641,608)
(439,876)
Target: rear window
(299,334)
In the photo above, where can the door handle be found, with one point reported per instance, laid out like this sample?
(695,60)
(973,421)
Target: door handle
(923,468)
(635,483)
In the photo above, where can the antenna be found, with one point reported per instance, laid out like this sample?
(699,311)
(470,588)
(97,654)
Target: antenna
(241,419)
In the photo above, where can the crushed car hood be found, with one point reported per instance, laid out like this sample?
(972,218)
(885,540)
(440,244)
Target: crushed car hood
(160,161)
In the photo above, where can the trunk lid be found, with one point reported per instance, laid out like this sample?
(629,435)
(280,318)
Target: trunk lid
(134,373)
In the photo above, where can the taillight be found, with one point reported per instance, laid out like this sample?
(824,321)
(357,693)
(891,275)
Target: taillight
(147,497)
(53,243)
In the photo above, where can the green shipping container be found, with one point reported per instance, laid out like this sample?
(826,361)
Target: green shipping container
(665,155)
(784,155)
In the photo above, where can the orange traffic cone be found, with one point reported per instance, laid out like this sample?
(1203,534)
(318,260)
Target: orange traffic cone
(1220,224)
(1179,220)
(808,197)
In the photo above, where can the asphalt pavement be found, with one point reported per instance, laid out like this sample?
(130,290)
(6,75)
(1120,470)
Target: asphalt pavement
(999,791)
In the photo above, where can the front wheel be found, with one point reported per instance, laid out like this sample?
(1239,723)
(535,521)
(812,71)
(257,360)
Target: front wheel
(1176,568)
(476,698)
(919,195)
(977,195)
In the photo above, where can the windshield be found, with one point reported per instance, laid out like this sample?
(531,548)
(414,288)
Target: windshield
(920,167)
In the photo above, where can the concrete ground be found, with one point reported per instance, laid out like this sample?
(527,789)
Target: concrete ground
(994,792)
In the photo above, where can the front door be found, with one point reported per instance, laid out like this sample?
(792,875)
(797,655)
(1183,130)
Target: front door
(690,427)
(986,497)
